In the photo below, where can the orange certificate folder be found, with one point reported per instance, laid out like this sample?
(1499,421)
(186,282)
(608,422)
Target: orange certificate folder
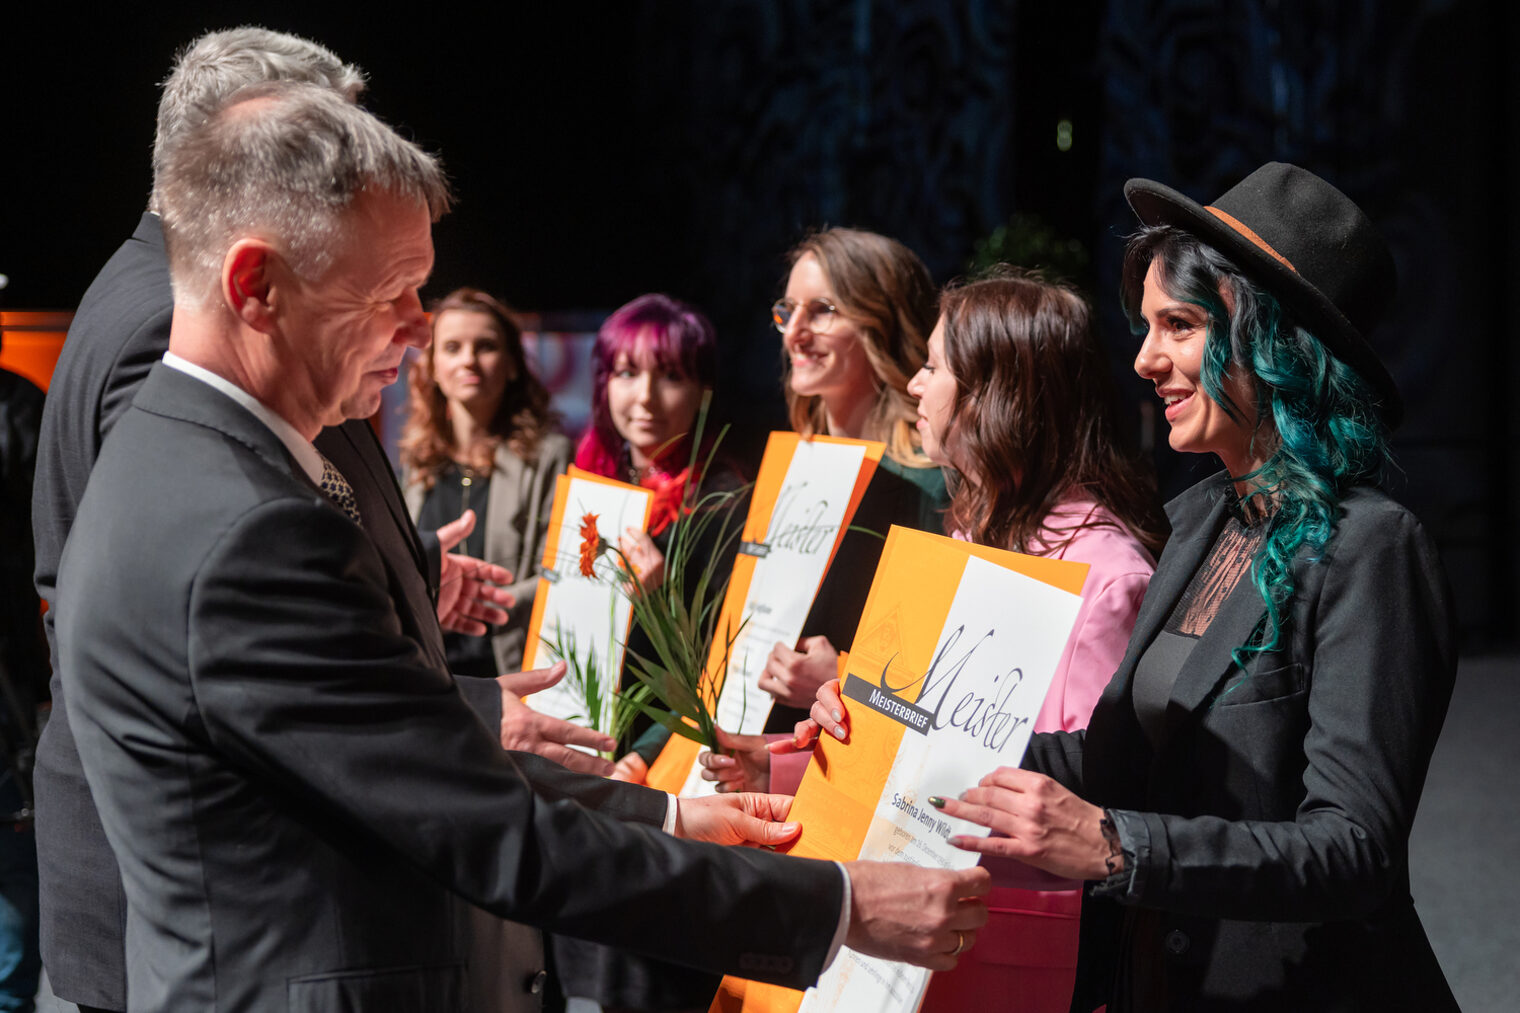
(589,612)
(955,651)
(805,496)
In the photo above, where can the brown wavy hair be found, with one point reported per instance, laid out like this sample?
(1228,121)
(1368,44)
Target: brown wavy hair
(1034,417)
(887,293)
(522,419)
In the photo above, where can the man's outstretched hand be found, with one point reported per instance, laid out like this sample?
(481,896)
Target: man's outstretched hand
(745,818)
(525,729)
(927,917)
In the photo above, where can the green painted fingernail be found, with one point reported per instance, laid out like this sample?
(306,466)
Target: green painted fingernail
(936,802)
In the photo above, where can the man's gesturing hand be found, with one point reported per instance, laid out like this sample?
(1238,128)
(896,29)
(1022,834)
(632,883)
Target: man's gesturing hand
(525,729)
(468,596)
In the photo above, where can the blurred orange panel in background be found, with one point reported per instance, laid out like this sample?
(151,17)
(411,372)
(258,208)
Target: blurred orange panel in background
(30,341)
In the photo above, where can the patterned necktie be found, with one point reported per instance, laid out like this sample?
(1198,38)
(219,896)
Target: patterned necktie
(338,490)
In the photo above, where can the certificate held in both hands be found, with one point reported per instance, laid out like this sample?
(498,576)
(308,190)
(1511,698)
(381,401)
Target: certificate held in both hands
(585,613)
(955,652)
(805,496)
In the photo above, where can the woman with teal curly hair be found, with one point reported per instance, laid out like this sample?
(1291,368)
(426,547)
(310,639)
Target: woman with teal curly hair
(1240,803)
(1309,427)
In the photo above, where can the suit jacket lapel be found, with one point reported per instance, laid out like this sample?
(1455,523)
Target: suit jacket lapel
(357,454)
(378,475)
(1113,773)
(1196,517)
(1212,656)
(1195,521)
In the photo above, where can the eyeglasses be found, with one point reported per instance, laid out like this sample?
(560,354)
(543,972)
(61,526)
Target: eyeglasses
(818,314)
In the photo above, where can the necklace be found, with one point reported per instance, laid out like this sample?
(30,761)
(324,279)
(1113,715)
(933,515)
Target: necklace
(467,477)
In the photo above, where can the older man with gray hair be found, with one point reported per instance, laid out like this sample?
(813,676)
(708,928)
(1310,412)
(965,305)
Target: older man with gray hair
(220,63)
(280,772)
(119,332)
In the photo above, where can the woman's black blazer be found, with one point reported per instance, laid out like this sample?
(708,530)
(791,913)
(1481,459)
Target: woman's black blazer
(1273,814)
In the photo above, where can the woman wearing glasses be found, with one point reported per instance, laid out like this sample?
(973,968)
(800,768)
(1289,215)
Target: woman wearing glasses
(854,324)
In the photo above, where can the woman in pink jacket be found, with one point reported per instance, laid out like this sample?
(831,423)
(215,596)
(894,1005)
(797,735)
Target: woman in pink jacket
(1015,399)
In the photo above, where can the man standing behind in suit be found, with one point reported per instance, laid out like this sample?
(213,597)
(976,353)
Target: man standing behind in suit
(119,332)
(274,762)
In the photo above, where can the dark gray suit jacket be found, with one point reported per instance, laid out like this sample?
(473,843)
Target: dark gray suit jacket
(1273,817)
(281,773)
(119,332)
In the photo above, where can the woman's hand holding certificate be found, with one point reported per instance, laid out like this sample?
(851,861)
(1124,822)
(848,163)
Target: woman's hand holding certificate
(1038,822)
(1042,824)
(744,764)
(793,677)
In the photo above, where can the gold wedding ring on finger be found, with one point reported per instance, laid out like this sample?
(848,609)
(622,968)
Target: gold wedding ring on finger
(960,944)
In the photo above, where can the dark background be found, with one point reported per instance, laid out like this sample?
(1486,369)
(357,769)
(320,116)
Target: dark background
(602,150)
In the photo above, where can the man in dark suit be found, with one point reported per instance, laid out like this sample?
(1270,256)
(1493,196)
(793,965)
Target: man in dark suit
(119,332)
(277,766)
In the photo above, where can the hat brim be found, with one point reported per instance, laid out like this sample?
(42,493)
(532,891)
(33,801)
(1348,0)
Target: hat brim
(1157,204)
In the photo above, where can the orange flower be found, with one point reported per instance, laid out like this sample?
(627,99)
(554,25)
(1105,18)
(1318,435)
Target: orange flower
(590,544)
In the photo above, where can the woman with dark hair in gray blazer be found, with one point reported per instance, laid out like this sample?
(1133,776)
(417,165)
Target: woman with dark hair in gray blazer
(1241,800)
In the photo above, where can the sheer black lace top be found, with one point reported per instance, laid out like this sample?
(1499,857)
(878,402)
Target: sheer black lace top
(1226,565)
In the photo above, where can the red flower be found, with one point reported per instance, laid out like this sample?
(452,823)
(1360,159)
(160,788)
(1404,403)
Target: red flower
(590,544)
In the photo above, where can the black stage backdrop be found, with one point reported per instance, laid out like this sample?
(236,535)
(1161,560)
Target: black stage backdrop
(602,150)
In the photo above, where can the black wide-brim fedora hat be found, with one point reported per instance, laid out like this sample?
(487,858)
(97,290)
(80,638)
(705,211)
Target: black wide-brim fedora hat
(1306,243)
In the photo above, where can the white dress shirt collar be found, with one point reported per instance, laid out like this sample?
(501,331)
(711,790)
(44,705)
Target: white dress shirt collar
(299,446)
